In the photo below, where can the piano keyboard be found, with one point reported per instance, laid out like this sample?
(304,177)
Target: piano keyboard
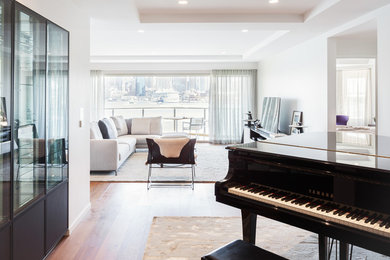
(329,211)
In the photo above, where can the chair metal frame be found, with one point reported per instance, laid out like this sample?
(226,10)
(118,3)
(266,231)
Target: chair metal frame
(151,184)
(187,157)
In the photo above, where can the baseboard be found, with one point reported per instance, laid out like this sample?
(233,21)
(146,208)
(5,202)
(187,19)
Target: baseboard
(79,218)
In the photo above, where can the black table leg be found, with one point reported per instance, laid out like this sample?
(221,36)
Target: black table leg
(323,248)
(248,226)
(344,251)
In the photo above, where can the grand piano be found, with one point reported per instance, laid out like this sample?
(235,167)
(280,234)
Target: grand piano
(334,184)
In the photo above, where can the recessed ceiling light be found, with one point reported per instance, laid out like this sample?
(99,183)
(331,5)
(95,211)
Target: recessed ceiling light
(182,2)
(273,1)
(141,31)
(244,30)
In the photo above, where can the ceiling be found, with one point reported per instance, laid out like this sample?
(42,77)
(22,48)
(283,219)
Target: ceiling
(210,30)
(363,31)
(226,6)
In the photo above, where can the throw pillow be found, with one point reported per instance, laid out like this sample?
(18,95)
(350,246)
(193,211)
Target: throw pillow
(107,129)
(120,125)
(155,125)
(94,131)
(140,126)
(128,123)
(113,127)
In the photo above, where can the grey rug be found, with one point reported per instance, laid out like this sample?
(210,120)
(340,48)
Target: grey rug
(212,165)
(192,237)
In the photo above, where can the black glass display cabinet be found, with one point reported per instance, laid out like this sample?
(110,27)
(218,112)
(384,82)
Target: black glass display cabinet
(34,79)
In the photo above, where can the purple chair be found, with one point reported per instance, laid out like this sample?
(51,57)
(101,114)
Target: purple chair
(342,119)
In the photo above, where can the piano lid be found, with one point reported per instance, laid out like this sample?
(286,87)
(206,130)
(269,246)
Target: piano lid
(359,149)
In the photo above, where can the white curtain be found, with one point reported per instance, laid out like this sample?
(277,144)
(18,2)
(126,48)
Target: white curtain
(232,95)
(354,96)
(97,95)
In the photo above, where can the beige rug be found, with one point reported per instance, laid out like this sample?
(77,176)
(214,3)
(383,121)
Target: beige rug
(212,165)
(187,238)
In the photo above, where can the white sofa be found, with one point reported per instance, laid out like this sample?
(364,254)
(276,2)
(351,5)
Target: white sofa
(110,154)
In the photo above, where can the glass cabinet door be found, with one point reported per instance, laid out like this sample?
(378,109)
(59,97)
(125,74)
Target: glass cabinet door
(57,105)
(5,104)
(29,107)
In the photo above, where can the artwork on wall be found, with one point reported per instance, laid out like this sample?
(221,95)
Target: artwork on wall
(270,114)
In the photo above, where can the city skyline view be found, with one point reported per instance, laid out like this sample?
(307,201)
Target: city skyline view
(134,91)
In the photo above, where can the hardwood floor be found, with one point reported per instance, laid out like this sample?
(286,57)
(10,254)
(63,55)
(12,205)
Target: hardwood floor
(121,215)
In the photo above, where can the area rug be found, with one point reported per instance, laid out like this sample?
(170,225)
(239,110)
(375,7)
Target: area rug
(212,165)
(187,238)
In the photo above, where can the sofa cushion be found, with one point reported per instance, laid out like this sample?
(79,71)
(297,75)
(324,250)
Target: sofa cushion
(120,125)
(141,139)
(155,125)
(140,126)
(126,139)
(128,123)
(107,128)
(123,151)
(113,127)
(94,131)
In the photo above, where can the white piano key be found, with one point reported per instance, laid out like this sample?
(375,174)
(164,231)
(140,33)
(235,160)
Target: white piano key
(315,212)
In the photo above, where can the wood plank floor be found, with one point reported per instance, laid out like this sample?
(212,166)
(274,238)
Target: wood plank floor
(118,224)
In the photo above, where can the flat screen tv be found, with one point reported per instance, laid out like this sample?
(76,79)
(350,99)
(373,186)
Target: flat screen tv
(270,114)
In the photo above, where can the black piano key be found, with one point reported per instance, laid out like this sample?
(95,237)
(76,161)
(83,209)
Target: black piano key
(337,211)
(387,221)
(375,220)
(287,199)
(370,217)
(343,212)
(310,204)
(340,211)
(325,207)
(351,212)
(330,208)
(355,214)
(318,203)
(362,215)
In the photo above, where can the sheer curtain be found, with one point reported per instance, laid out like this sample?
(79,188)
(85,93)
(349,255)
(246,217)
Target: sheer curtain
(354,96)
(97,95)
(232,94)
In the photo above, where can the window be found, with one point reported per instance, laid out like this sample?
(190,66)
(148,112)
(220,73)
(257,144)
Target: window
(170,96)
(355,96)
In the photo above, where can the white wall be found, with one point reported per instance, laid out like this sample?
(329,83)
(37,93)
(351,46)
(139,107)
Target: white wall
(299,77)
(383,70)
(356,47)
(67,15)
(302,75)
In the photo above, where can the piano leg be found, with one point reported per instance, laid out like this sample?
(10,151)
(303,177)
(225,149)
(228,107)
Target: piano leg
(248,226)
(323,248)
(344,251)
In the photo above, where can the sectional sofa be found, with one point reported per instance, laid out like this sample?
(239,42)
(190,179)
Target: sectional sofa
(113,140)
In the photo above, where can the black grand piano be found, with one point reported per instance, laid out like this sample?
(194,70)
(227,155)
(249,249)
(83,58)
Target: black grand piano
(334,184)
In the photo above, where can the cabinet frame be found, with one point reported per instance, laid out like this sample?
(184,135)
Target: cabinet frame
(61,188)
